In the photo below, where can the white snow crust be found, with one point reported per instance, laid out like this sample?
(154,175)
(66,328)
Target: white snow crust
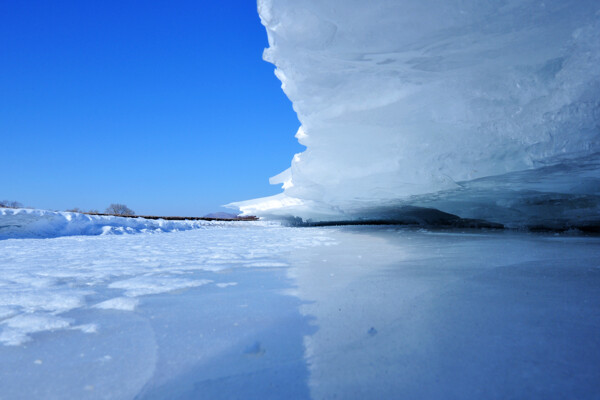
(119,303)
(41,280)
(488,110)
(32,223)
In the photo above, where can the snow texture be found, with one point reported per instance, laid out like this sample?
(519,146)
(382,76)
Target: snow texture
(41,279)
(119,303)
(487,110)
(259,312)
(31,223)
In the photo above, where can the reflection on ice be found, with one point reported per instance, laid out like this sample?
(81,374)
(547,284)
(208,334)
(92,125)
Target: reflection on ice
(406,314)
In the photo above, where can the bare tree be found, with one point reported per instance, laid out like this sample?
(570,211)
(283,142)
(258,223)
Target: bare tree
(75,210)
(119,209)
(10,204)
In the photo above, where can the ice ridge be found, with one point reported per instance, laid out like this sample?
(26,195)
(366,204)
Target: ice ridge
(31,223)
(481,109)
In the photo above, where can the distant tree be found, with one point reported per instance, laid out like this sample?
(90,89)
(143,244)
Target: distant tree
(119,209)
(10,204)
(92,211)
(75,210)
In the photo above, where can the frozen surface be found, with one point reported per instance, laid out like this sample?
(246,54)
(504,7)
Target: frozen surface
(258,312)
(31,223)
(484,109)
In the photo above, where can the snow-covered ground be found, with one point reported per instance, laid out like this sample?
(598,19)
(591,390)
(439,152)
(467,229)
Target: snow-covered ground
(32,223)
(262,311)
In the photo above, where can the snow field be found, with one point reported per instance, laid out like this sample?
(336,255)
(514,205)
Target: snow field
(42,279)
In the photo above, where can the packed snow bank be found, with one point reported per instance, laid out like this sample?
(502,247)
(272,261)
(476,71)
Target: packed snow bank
(29,223)
(415,102)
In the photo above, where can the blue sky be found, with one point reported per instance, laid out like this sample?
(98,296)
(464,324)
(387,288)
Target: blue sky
(167,107)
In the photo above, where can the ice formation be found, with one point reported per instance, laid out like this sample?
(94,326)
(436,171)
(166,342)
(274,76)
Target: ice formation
(31,223)
(485,110)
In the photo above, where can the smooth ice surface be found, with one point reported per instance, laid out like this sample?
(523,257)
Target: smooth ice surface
(31,223)
(256,312)
(439,103)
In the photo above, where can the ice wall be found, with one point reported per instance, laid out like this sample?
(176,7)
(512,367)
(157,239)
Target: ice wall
(483,109)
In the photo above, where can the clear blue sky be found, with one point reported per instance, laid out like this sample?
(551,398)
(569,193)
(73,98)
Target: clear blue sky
(166,106)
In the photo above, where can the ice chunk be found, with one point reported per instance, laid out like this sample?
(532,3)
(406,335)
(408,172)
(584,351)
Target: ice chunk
(226,284)
(401,101)
(119,303)
(145,285)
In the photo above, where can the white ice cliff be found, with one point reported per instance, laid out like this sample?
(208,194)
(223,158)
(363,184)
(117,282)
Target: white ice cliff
(485,110)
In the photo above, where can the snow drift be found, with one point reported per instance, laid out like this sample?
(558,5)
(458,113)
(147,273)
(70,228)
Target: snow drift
(486,110)
(30,223)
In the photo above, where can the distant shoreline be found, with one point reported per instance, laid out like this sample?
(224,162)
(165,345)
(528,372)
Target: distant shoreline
(248,218)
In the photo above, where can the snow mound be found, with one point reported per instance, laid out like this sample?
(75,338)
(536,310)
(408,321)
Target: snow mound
(30,223)
(439,103)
